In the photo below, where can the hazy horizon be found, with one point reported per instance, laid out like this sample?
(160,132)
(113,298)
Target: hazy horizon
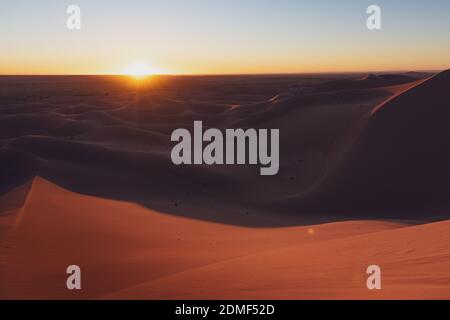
(228,74)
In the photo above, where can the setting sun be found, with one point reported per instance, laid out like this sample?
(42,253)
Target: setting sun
(139,69)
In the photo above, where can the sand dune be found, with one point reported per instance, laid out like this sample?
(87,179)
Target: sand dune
(370,81)
(127,251)
(332,269)
(86,178)
(111,138)
(398,161)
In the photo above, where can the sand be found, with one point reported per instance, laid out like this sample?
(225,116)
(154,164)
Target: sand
(130,252)
(86,179)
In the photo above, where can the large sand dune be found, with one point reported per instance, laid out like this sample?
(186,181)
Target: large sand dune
(86,178)
(398,159)
(127,251)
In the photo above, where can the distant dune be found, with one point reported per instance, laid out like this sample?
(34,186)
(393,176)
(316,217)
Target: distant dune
(370,81)
(86,178)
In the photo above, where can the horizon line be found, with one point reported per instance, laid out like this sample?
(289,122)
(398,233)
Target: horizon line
(225,74)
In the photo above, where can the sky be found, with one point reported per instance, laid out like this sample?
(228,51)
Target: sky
(223,37)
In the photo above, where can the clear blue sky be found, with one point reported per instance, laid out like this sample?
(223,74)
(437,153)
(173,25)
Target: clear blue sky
(233,36)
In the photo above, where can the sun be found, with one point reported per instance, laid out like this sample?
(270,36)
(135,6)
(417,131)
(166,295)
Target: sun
(138,69)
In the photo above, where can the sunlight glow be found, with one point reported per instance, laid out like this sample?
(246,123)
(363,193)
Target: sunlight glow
(139,69)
